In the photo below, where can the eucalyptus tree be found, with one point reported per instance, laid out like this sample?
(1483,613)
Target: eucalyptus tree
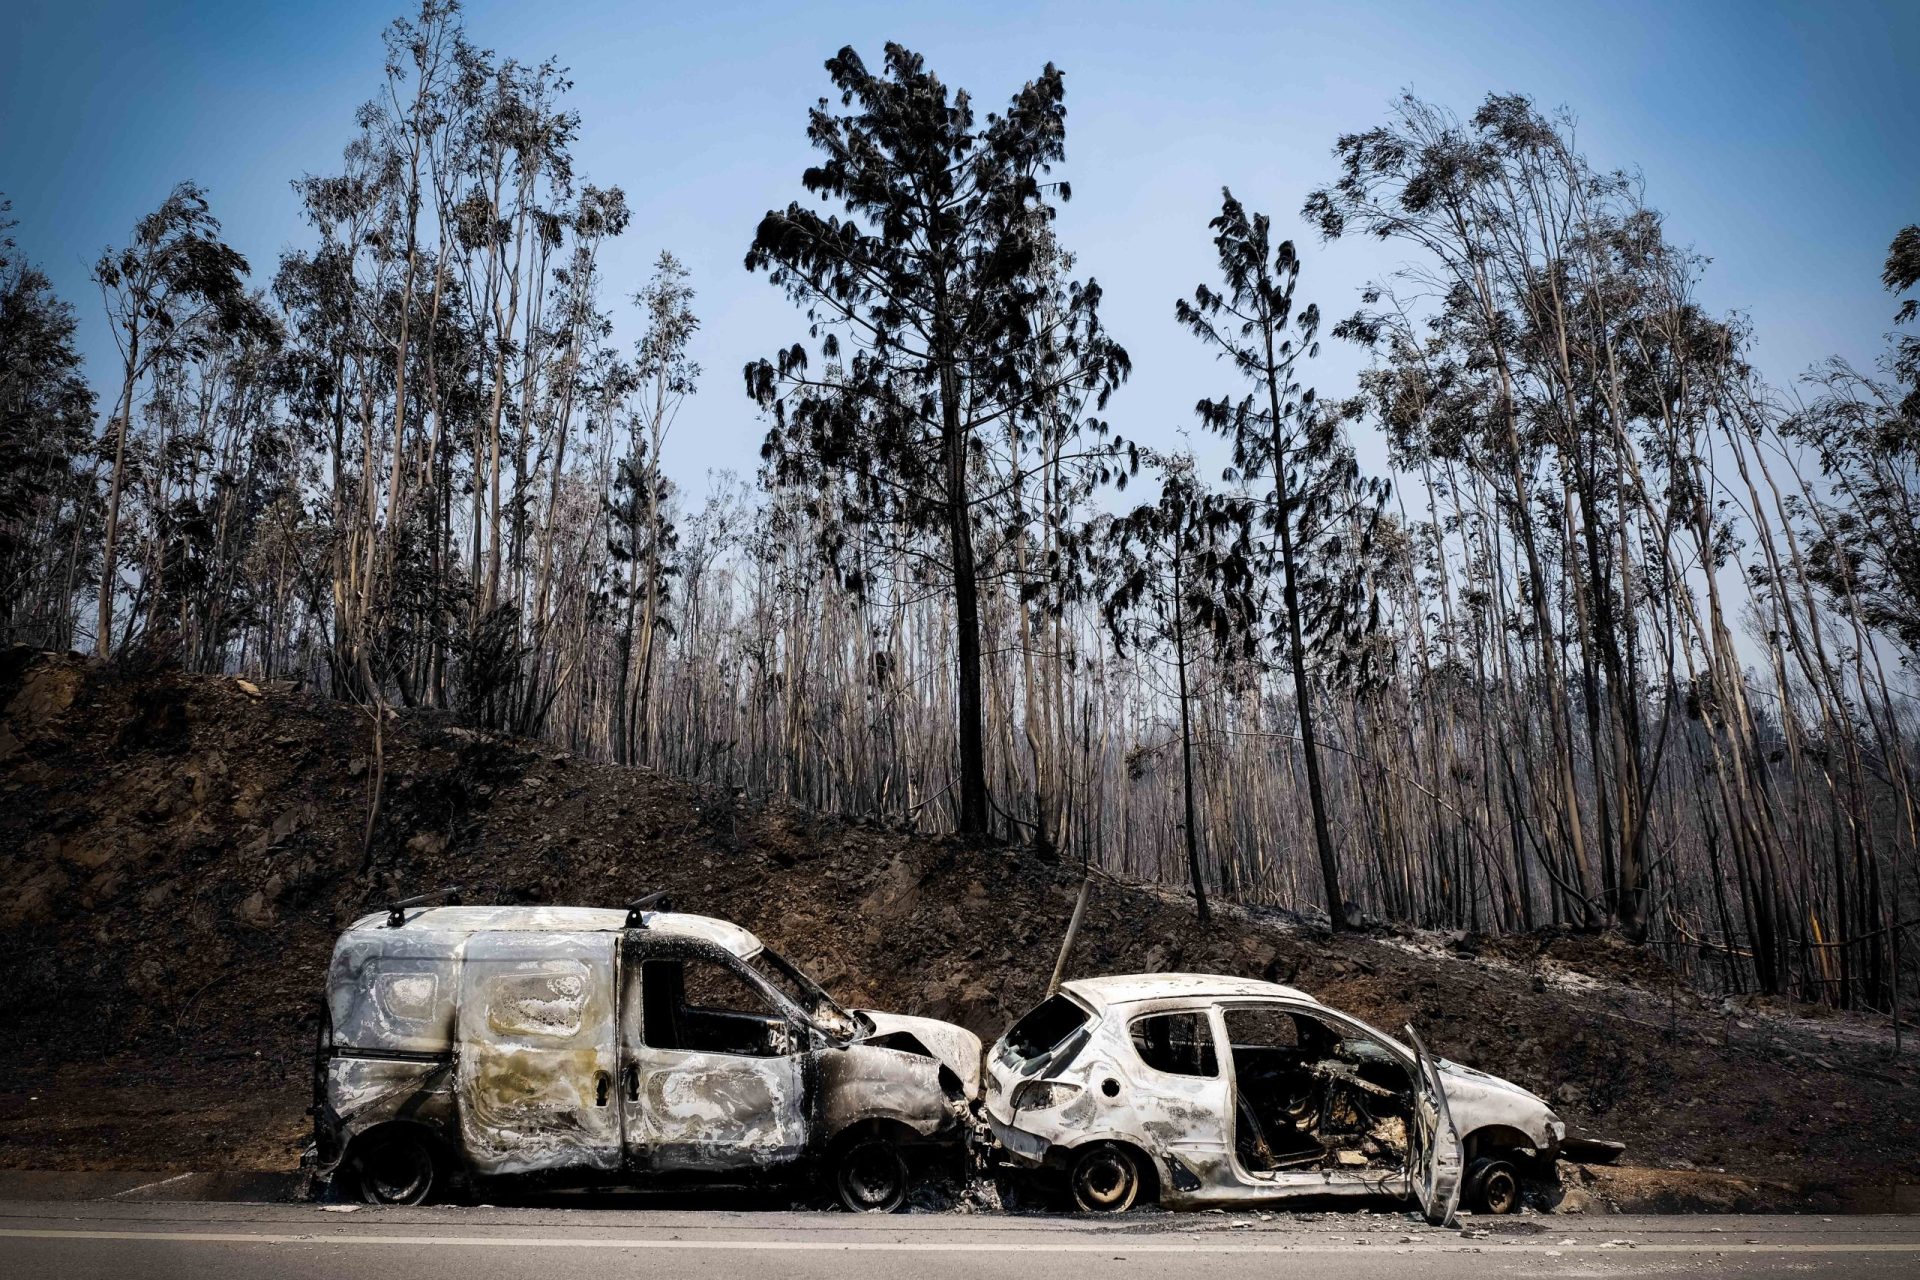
(219,459)
(522,168)
(1902,273)
(1317,508)
(1492,231)
(582,372)
(664,375)
(422,57)
(1547,368)
(46,412)
(1178,574)
(172,285)
(919,300)
(1865,433)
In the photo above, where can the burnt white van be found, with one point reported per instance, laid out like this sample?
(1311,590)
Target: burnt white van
(640,1047)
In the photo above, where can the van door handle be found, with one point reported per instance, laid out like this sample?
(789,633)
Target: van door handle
(601,1082)
(631,1073)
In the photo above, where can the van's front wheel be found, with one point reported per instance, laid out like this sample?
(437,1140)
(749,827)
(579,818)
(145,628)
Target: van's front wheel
(395,1168)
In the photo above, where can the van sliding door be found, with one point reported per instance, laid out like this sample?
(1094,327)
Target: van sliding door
(536,1053)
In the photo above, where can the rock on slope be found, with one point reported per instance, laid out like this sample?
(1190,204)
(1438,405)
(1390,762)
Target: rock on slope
(181,851)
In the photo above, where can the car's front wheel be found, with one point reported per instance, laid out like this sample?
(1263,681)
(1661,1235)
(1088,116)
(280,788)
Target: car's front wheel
(1493,1186)
(1105,1178)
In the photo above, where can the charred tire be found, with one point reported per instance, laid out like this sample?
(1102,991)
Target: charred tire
(322,1055)
(1105,1178)
(1493,1186)
(871,1176)
(395,1166)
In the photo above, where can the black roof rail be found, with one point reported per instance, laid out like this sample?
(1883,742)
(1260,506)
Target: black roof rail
(397,910)
(658,900)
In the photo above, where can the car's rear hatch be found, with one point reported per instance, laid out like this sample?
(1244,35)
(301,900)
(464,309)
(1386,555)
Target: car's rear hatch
(1047,1038)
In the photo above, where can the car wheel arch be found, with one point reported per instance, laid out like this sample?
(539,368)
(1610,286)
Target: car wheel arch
(874,1125)
(1496,1139)
(432,1134)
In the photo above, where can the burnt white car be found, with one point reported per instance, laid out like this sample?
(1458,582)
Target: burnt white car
(1197,1091)
(598,1047)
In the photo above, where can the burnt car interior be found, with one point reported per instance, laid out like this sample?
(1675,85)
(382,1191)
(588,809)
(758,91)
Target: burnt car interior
(1309,1095)
(698,1005)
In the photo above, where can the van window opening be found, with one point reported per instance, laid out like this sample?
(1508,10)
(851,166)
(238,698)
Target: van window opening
(698,1005)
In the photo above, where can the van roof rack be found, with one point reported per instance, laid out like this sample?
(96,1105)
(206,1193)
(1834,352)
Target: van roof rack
(658,900)
(397,910)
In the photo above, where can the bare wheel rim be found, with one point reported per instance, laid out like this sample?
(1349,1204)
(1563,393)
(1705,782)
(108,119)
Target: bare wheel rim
(873,1177)
(1105,1180)
(398,1171)
(1500,1190)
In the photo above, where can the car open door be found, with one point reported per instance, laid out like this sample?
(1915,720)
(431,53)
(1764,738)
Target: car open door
(535,1052)
(1433,1157)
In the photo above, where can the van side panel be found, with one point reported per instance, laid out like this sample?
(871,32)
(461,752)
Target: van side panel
(393,991)
(534,1070)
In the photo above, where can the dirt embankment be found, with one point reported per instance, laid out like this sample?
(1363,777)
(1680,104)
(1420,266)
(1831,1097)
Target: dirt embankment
(182,850)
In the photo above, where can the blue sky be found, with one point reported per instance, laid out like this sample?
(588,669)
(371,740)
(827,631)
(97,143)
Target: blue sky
(1781,141)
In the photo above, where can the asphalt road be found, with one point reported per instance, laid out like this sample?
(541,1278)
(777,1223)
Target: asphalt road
(224,1241)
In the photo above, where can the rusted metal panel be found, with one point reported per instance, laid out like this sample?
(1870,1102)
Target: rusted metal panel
(393,992)
(720,1111)
(956,1048)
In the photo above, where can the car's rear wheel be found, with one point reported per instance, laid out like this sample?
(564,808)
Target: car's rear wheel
(395,1168)
(871,1176)
(1105,1178)
(1493,1186)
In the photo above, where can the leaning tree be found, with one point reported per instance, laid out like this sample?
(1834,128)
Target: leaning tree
(173,285)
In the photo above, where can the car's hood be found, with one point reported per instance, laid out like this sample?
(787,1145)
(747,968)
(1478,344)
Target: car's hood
(1477,1099)
(957,1048)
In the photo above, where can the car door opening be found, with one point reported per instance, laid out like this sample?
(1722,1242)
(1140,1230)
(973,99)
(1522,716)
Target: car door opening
(1309,1094)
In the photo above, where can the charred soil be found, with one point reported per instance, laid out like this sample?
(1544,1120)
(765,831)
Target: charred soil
(182,851)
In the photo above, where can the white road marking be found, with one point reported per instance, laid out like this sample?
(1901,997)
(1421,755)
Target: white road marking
(1114,1247)
(148,1185)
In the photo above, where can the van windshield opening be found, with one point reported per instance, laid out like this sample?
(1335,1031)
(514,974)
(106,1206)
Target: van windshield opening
(792,981)
(1045,1027)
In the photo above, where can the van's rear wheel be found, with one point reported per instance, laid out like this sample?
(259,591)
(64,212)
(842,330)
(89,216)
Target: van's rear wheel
(395,1168)
(871,1176)
(1105,1178)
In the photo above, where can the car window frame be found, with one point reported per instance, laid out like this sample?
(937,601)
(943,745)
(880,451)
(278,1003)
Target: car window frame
(1274,1004)
(1333,1017)
(1204,1012)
